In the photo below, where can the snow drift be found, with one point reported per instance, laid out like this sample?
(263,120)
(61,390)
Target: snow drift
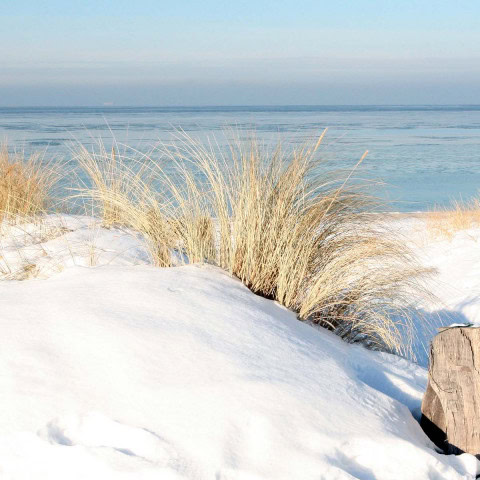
(183,373)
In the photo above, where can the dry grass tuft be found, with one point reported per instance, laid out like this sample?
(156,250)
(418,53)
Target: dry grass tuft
(25,185)
(445,223)
(278,221)
(121,191)
(304,237)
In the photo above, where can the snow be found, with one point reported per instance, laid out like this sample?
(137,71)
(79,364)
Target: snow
(61,241)
(472,325)
(126,371)
(455,284)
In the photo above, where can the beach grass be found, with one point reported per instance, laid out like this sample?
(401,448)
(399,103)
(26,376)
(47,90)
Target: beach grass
(25,184)
(289,229)
(444,223)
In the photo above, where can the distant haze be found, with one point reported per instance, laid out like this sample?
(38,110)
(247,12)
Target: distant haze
(239,53)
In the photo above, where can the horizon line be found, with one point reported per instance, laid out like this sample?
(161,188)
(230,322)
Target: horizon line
(107,105)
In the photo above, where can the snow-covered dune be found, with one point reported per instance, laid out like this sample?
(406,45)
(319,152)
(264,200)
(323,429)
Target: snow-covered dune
(135,372)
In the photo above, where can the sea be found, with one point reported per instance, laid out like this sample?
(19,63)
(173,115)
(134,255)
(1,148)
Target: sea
(419,157)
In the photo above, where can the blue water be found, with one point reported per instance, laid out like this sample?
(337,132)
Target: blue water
(426,155)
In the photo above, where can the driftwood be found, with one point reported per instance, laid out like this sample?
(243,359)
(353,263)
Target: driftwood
(451,404)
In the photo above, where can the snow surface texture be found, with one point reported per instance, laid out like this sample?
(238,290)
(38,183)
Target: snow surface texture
(456,284)
(135,372)
(60,241)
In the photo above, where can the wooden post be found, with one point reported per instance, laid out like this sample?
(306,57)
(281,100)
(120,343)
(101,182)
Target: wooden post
(451,404)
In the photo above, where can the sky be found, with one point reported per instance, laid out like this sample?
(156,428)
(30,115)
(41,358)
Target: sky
(239,52)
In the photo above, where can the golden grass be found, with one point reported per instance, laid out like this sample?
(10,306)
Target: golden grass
(444,223)
(26,195)
(288,229)
(122,194)
(25,184)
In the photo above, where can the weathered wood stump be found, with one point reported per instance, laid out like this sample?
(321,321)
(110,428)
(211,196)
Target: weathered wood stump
(451,404)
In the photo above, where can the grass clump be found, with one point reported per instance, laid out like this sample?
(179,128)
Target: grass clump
(444,223)
(120,188)
(280,222)
(295,233)
(25,184)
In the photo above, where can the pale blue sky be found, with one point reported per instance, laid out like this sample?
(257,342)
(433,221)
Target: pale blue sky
(237,52)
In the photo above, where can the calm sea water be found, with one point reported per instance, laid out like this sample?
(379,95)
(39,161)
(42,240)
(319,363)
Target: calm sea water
(427,155)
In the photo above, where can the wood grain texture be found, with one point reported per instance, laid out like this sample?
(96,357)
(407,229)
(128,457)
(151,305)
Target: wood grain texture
(451,404)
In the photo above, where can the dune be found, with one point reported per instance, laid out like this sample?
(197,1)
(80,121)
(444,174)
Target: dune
(112,368)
